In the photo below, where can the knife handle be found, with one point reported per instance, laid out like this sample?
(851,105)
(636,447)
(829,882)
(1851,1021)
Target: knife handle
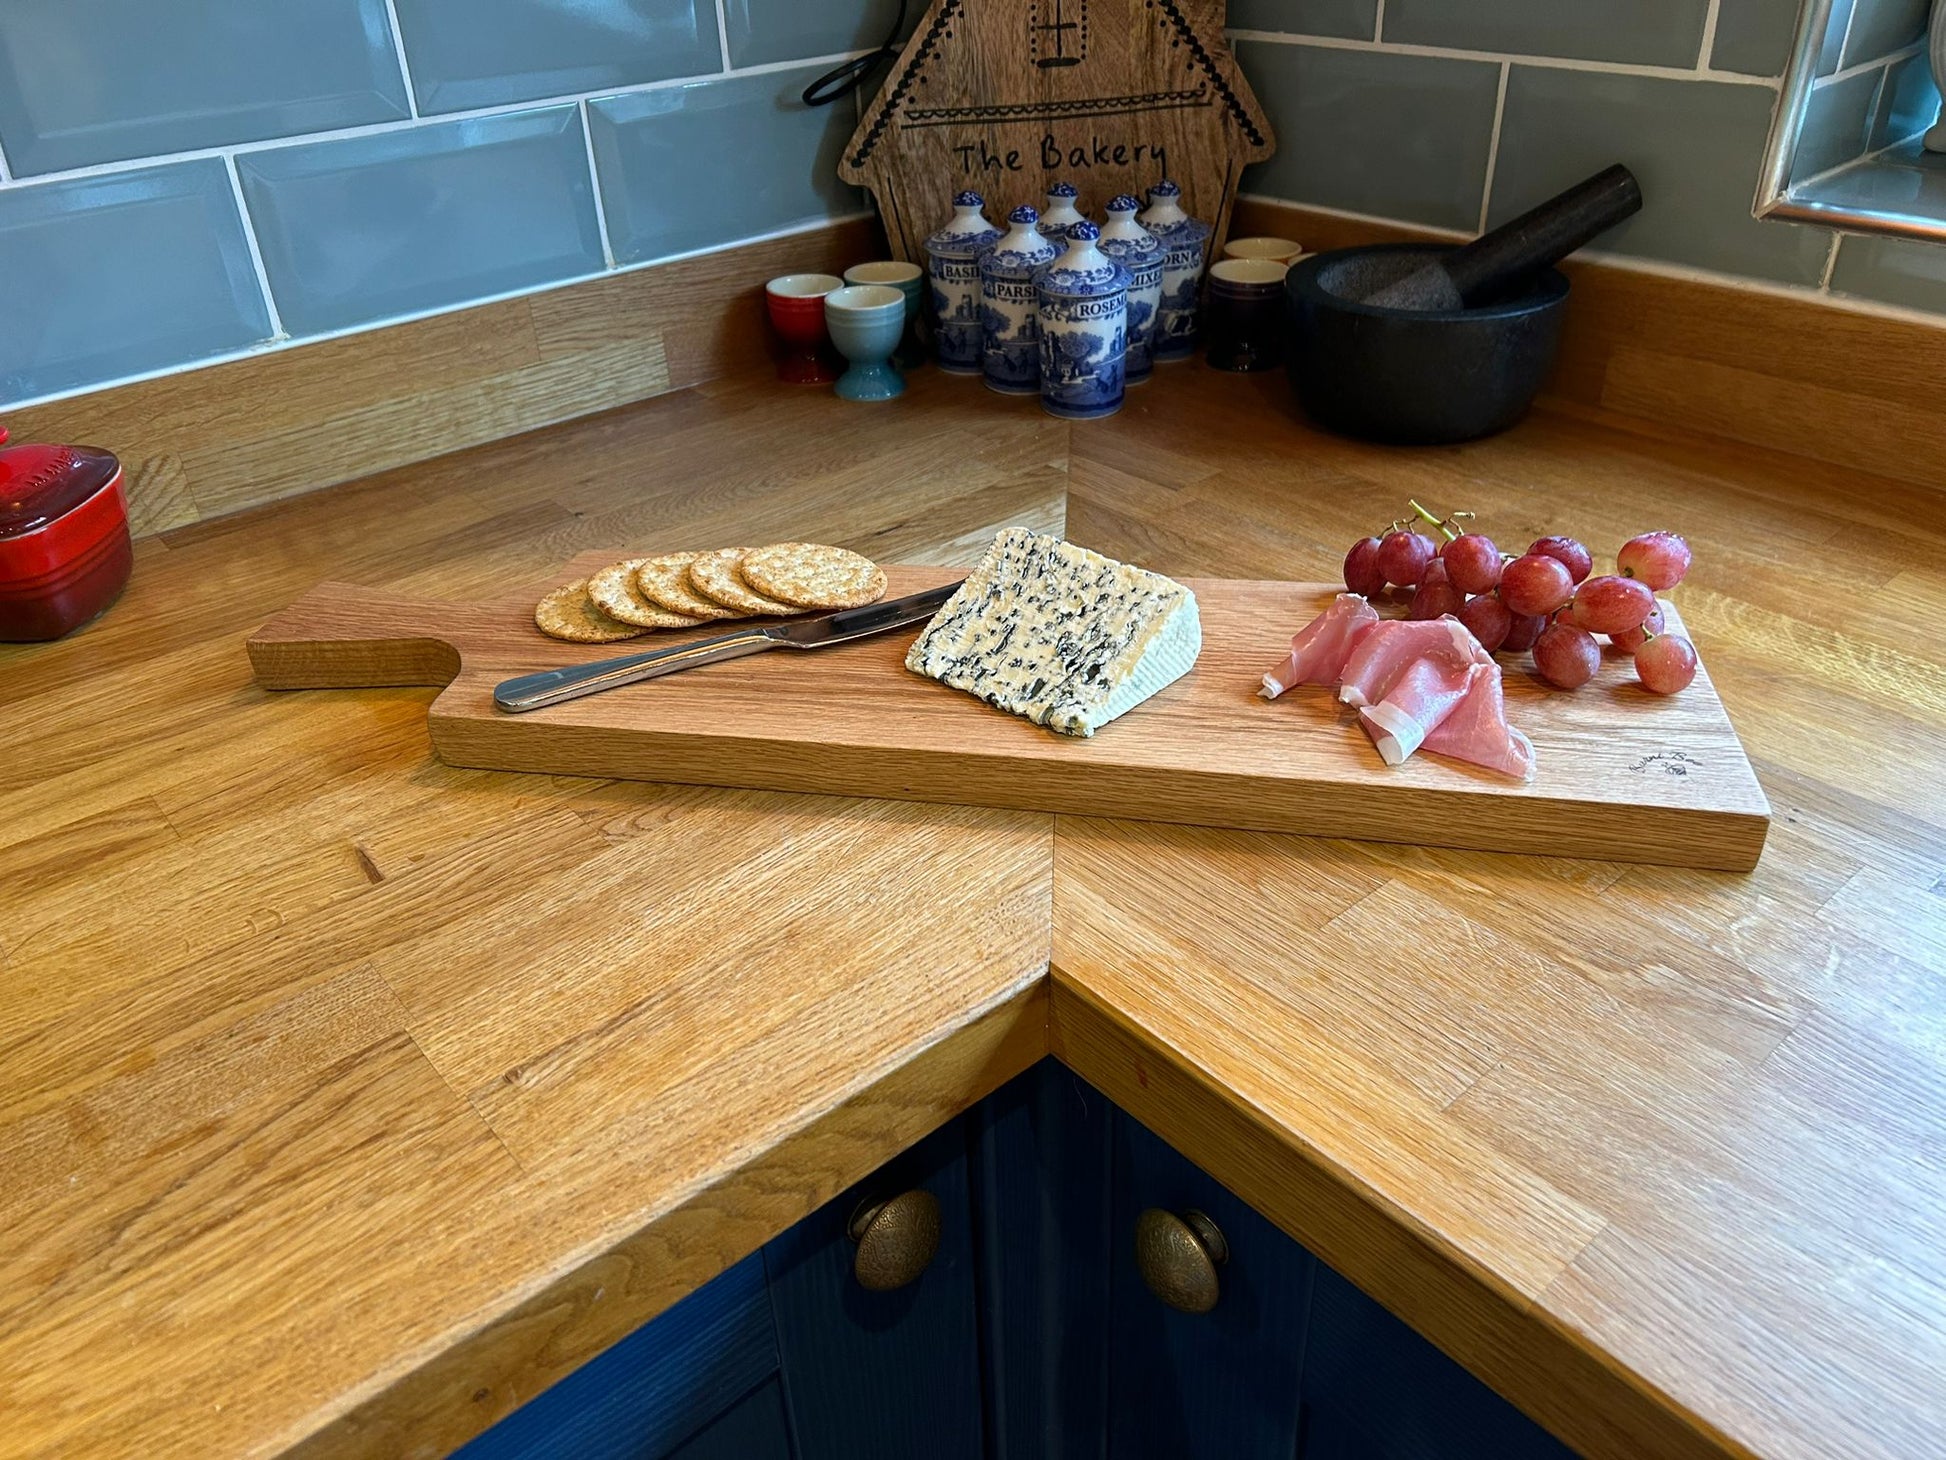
(552,686)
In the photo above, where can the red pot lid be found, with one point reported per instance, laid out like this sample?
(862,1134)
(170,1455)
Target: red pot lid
(42,484)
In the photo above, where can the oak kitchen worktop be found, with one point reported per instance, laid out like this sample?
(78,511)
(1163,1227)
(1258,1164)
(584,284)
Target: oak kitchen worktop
(347,1099)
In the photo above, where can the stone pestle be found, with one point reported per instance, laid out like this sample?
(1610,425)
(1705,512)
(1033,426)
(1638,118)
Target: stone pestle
(1496,264)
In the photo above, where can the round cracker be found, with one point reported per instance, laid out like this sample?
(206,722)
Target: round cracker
(812,575)
(714,575)
(614,592)
(664,581)
(568,613)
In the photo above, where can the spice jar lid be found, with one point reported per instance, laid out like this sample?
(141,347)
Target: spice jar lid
(40,484)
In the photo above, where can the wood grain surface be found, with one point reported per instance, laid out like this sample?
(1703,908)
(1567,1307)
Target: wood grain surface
(1642,777)
(201,443)
(1011,96)
(1687,1127)
(347,1097)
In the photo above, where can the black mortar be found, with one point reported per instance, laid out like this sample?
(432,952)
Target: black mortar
(1413,376)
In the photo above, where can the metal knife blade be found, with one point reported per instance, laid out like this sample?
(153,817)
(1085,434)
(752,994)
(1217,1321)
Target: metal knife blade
(552,686)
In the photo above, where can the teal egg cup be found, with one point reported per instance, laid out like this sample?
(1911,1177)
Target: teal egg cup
(866,322)
(909,280)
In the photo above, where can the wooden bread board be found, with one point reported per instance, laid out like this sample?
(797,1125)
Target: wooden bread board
(1622,774)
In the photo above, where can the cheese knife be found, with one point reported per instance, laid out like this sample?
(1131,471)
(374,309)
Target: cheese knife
(552,686)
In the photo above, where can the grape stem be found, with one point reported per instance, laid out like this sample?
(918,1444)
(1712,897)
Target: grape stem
(1443,524)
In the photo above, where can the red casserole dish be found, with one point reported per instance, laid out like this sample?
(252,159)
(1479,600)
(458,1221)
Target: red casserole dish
(64,545)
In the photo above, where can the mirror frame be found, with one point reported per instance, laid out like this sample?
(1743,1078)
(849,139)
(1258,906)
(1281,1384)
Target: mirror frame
(1774,196)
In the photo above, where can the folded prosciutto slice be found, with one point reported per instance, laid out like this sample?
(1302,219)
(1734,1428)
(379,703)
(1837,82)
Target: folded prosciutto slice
(1417,684)
(1319,649)
(1477,732)
(1426,692)
(1389,649)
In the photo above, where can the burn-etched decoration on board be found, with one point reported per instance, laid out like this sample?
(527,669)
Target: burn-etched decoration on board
(1009,96)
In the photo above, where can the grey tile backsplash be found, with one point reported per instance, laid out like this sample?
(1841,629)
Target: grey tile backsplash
(475,53)
(167,271)
(179,182)
(1753,36)
(91,81)
(763,31)
(402,222)
(659,202)
(1896,270)
(1693,145)
(1647,32)
(1350,19)
(1378,111)
(1399,136)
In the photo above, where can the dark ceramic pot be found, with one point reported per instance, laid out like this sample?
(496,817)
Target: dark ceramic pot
(1244,314)
(1414,377)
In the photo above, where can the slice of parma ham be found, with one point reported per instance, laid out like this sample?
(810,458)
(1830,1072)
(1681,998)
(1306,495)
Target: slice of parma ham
(1477,732)
(1389,649)
(1419,701)
(1417,685)
(1319,649)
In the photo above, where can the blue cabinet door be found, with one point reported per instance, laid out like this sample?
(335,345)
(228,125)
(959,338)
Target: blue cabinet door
(1293,1361)
(1030,1336)
(659,1391)
(785,1356)
(1041,1179)
(754,1428)
(882,1375)
(1083,1362)
(1221,1385)
(1376,1390)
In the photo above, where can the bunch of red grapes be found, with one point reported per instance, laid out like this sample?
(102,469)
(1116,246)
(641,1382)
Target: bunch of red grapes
(1544,600)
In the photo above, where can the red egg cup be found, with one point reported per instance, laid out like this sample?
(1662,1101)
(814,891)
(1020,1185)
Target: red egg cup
(796,305)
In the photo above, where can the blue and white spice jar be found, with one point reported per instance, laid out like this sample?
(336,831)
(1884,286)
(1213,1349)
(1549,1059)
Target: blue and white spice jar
(953,261)
(1139,251)
(1010,332)
(1084,329)
(1178,322)
(1061,214)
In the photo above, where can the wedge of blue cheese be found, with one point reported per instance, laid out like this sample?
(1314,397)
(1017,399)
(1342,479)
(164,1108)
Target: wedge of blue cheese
(1066,637)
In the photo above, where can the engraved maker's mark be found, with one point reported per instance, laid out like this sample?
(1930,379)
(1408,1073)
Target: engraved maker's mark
(1668,762)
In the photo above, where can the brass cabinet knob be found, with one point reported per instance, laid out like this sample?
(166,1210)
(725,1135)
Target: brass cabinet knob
(1178,1257)
(896,1239)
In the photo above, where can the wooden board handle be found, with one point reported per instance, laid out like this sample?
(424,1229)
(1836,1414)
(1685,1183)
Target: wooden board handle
(341,636)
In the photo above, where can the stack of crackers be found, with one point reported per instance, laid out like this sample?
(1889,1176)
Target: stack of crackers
(682,590)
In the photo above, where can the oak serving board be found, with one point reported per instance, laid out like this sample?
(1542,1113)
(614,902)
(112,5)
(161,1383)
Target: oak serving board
(1622,774)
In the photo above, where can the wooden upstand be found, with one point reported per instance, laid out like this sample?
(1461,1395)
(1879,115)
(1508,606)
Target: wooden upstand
(347,1098)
